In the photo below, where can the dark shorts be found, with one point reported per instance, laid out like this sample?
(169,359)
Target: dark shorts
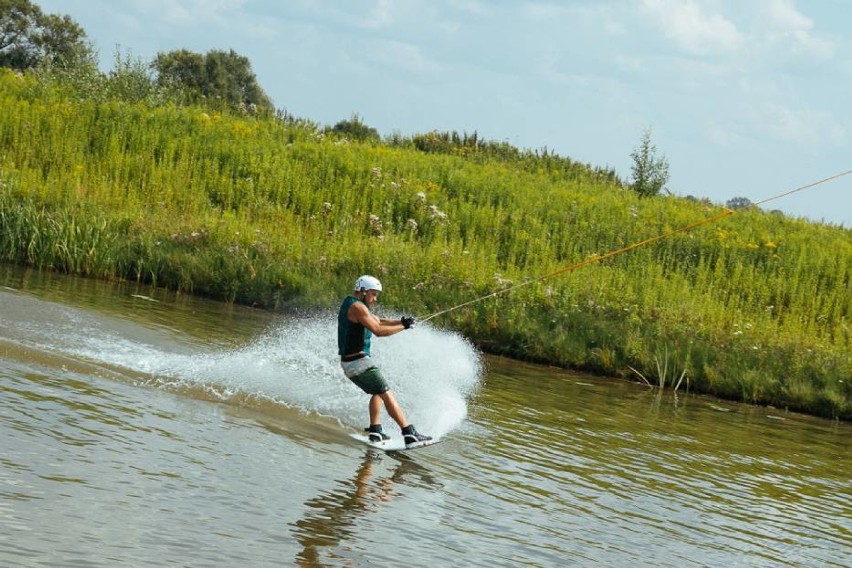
(371,381)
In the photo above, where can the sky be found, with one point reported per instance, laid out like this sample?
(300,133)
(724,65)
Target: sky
(743,98)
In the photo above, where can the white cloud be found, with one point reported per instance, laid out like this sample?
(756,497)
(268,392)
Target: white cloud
(764,112)
(805,127)
(473,7)
(783,13)
(399,56)
(725,133)
(784,27)
(380,16)
(542,11)
(190,12)
(628,62)
(692,29)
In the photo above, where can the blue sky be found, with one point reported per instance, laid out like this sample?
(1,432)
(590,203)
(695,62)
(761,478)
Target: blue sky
(743,97)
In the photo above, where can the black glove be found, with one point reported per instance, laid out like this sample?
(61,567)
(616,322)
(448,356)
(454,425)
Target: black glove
(407,322)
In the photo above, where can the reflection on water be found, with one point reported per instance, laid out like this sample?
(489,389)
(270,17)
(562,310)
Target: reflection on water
(127,438)
(332,517)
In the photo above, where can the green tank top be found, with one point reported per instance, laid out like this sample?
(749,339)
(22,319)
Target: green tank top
(351,337)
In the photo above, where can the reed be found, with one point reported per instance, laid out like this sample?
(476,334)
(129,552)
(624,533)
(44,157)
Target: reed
(277,212)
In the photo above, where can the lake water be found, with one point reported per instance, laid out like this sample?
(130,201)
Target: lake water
(139,428)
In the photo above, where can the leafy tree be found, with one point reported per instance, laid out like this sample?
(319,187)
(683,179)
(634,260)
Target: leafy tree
(214,76)
(29,37)
(132,80)
(738,203)
(356,129)
(650,173)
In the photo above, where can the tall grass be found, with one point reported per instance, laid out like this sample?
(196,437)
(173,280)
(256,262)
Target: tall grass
(276,212)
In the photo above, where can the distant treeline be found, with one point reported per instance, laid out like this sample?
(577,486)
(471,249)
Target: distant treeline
(31,39)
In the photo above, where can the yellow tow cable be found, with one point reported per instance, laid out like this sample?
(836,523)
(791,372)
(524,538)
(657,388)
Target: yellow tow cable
(600,257)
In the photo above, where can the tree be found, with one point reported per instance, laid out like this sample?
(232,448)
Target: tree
(356,129)
(29,37)
(214,76)
(736,203)
(650,174)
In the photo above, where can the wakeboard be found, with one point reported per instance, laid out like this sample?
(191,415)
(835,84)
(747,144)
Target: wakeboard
(393,445)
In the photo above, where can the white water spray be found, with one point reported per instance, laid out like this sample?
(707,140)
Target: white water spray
(433,373)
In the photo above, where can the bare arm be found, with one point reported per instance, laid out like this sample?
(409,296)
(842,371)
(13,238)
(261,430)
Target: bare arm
(380,327)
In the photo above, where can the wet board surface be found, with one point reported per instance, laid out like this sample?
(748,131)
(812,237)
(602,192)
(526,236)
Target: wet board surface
(392,445)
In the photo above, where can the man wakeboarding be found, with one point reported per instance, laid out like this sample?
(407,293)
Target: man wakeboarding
(355,327)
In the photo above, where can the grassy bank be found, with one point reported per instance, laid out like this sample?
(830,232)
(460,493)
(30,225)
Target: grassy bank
(276,213)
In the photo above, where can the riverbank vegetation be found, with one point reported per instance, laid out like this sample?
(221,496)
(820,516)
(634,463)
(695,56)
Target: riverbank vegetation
(121,181)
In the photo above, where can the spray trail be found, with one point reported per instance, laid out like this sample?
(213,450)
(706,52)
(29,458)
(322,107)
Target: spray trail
(433,373)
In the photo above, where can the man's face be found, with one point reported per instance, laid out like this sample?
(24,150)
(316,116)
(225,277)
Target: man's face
(370,297)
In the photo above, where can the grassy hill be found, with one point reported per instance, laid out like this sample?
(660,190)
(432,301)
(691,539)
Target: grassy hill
(277,212)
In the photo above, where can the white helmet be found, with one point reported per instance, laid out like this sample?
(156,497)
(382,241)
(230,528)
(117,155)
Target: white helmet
(368,282)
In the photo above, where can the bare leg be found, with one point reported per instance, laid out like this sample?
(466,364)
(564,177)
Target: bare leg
(393,408)
(375,409)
